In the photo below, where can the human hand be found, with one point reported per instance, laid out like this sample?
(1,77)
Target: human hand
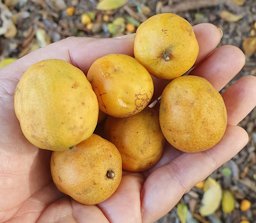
(26,189)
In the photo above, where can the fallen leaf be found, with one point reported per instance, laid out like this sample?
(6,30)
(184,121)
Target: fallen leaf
(110,4)
(239,2)
(211,198)
(249,46)
(228,202)
(182,211)
(117,26)
(6,61)
(42,38)
(229,16)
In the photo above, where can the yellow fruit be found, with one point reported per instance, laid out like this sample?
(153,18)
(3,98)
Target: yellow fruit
(85,19)
(244,221)
(123,86)
(70,11)
(245,205)
(138,138)
(200,185)
(89,172)
(192,114)
(130,28)
(55,105)
(166,45)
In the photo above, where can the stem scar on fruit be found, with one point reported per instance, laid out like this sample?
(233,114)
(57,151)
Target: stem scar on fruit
(110,174)
(166,55)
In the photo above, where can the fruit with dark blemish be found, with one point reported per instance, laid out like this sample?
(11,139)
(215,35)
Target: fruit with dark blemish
(90,172)
(166,45)
(122,85)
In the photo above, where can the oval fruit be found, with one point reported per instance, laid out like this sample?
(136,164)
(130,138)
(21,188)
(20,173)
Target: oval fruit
(138,138)
(89,172)
(166,45)
(122,85)
(55,105)
(192,114)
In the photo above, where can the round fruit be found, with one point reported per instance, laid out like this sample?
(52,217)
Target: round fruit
(89,172)
(55,105)
(138,138)
(122,85)
(166,45)
(192,114)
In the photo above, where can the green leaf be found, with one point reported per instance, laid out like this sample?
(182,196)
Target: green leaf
(226,171)
(110,4)
(182,211)
(211,198)
(132,21)
(228,202)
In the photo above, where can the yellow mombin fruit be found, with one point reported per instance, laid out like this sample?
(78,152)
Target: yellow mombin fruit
(193,115)
(245,205)
(166,45)
(138,138)
(55,105)
(122,85)
(90,172)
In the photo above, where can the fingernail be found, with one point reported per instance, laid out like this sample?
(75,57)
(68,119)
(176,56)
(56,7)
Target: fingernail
(221,32)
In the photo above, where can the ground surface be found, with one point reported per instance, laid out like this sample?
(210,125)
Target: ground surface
(62,18)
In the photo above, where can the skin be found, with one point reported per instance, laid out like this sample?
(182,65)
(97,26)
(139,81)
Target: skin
(26,190)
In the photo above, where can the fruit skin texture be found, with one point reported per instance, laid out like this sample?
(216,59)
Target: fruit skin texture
(55,105)
(122,85)
(192,114)
(89,172)
(138,138)
(166,45)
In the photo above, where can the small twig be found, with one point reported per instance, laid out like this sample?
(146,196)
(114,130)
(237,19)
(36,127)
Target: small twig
(192,5)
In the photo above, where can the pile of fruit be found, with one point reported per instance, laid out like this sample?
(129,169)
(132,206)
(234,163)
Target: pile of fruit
(59,108)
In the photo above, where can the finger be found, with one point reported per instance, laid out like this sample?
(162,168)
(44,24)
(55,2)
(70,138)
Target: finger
(240,99)
(79,51)
(221,66)
(164,187)
(208,37)
(124,205)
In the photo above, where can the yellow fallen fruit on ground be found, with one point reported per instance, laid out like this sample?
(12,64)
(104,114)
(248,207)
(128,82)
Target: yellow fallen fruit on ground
(55,105)
(166,45)
(89,172)
(138,138)
(193,115)
(122,85)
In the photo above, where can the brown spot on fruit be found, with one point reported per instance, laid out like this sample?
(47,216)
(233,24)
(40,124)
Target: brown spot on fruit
(110,174)
(75,85)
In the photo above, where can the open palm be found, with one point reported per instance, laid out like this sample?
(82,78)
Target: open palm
(26,189)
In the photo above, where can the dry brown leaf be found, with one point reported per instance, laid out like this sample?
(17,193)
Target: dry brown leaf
(239,2)
(229,16)
(249,46)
